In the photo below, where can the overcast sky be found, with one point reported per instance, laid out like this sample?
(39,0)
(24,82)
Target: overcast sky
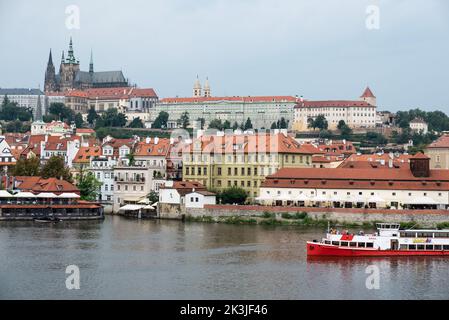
(320,49)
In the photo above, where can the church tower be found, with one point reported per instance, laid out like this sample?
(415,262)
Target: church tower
(197,88)
(91,64)
(50,76)
(69,68)
(369,97)
(207,88)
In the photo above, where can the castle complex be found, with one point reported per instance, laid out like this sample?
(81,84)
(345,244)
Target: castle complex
(71,77)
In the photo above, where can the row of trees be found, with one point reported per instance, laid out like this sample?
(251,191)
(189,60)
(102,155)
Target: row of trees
(10,111)
(55,167)
(436,120)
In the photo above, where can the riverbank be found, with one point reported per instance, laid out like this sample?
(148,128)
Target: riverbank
(311,216)
(299,219)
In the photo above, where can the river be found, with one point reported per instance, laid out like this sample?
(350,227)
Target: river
(120,258)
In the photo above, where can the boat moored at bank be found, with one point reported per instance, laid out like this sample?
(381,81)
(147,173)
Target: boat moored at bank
(389,240)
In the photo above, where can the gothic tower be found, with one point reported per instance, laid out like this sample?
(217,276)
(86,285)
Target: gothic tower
(91,64)
(69,68)
(50,76)
(197,88)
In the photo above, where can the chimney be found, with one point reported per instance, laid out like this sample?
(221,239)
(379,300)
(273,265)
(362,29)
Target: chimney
(420,165)
(156,140)
(390,163)
(148,140)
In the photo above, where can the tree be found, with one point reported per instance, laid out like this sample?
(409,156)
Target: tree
(136,123)
(320,122)
(161,120)
(111,118)
(62,112)
(27,167)
(202,122)
(283,124)
(79,122)
(226,125)
(233,195)
(248,124)
(345,131)
(11,111)
(274,126)
(235,126)
(5,102)
(55,168)
(185,120)
(92,115)
(89,186)
(216,124)
(153,196)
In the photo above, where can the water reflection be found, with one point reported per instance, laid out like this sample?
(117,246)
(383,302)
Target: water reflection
(125,258)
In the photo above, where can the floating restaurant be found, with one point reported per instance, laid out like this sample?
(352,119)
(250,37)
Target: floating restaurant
(38,203)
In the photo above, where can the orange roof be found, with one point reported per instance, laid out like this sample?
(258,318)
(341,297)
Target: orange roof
(375,160)
(257,143)
(367,93)
(84,154)
(332,103)
(39,184)
(349,178)
(184,187)
(248,99)
(441,142)
(151,149)
(76,93)
(138,92)
(84,130)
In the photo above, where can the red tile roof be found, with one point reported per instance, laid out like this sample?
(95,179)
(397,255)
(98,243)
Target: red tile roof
(84,154)
(332,103)
(151,149)
(255,99)
(85,130)
(38,184)
(348,178)
(244,143)
(367,93)
(441,142)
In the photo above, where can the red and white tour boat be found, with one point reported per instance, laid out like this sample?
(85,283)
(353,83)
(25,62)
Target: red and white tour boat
(389,240)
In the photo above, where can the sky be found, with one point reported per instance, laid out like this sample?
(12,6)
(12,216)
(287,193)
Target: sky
(320,49)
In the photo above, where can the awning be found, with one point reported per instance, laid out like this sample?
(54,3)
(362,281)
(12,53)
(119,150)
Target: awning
(46,195)
(301,197)
(148,207)
(144,201)
(25,195)
(5,194)
(68,195)
(320,198)
(375,199)
(131,207)
(421,200)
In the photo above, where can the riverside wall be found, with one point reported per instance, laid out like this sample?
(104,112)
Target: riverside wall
(422,217)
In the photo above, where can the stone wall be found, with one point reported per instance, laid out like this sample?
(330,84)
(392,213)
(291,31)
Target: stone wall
(424,217)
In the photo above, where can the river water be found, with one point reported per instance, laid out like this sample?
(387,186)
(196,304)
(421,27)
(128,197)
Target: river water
(120,258)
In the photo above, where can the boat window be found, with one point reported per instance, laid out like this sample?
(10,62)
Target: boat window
(361,244)
(403,247)
(438,247)
(344,244)
(335,243)
(420,247)
(445,247)
(353,244)
(429,246)
(403,234)
(369,245)
(327,242)
(412,247)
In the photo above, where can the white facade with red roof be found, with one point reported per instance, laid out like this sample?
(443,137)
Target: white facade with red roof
(438,151)
(355,113)
(262,110)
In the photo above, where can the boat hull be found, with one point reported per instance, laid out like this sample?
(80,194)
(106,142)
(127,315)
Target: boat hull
(319,249)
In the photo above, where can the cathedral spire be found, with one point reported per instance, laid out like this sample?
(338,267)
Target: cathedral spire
(50,60)
(71,56)
(91,64)
(62,57)
(38,115)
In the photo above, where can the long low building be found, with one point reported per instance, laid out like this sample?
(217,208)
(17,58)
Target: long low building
(402,187)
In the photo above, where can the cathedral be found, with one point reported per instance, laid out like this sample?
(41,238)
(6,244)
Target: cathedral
(71,77)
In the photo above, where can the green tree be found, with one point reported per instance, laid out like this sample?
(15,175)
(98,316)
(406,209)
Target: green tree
(55,168)
(185,120)
(216,124)
(161,120)
(92,115)
(79,122)
(283,124)
(226,125)
(153,196)
(136,123)
(248,124)
(89,186)
(111,118)
(233,195)
(320,122)
(62,112)
(27,167)
(274,126)
(202,122)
